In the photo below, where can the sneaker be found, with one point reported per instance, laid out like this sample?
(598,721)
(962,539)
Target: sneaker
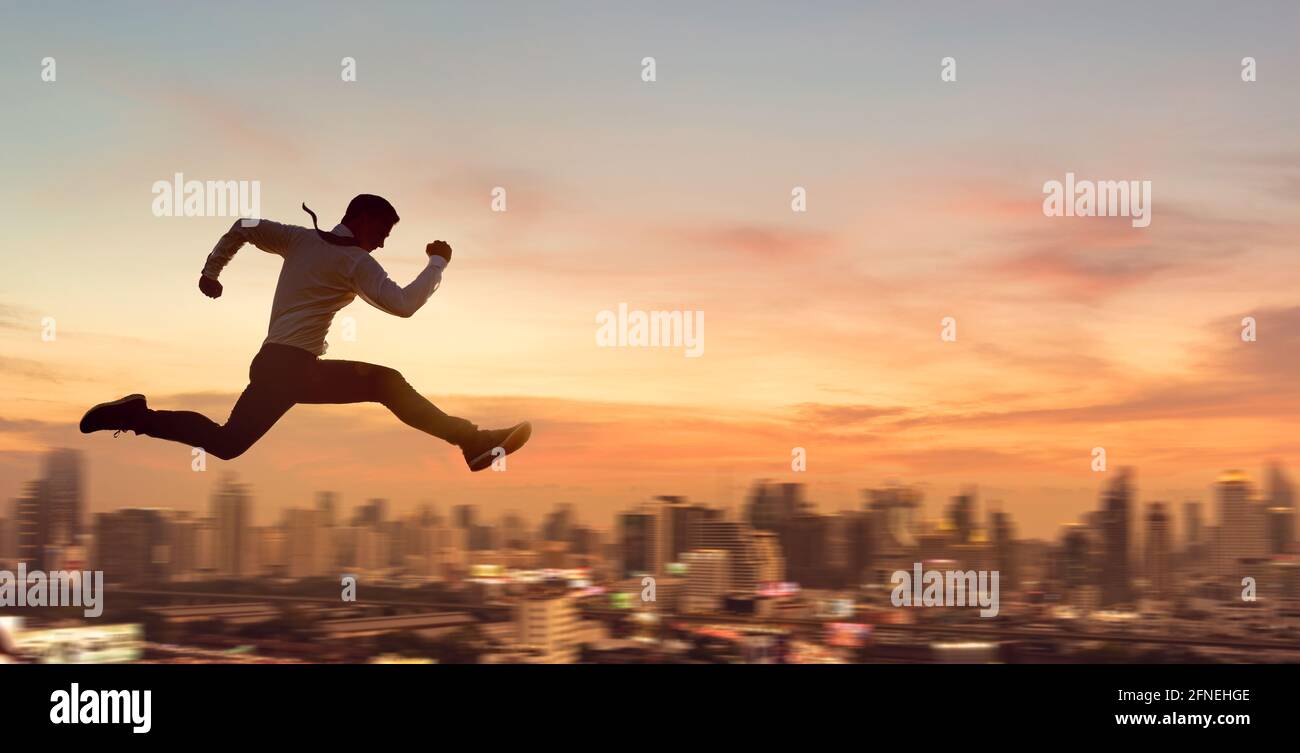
(480,450)
(119,415)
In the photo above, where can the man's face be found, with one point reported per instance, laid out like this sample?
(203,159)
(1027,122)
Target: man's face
(371,233)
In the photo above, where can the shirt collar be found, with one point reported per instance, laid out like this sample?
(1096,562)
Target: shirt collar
(343,230)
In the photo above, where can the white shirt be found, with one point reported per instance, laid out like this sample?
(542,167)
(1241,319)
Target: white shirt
(319,278)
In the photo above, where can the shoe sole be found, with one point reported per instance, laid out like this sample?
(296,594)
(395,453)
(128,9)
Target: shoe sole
(514,440)
(109,404)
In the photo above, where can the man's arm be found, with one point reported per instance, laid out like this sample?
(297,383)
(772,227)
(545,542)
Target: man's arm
(375,287)
(271,237)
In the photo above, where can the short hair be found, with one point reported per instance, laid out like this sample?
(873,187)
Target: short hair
(369,205)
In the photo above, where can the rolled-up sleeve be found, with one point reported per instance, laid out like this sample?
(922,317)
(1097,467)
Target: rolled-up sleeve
(272,237)
(373,284)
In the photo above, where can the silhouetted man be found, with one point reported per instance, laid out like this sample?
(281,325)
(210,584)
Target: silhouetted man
(322,273)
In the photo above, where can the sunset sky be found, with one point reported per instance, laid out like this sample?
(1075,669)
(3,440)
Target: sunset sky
(822,329)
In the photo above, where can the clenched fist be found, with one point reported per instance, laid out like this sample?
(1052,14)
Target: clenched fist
(439,248)
(210,287)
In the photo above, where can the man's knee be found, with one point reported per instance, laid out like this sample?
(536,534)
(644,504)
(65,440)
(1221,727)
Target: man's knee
(227,445)
(228,450)
(388,382)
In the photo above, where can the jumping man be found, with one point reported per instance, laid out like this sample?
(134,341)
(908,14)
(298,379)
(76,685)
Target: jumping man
(322,273)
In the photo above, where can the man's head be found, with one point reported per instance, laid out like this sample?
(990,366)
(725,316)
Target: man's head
(370,218)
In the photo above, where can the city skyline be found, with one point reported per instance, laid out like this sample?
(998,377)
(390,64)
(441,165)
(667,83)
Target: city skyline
(673,580)
(63,485)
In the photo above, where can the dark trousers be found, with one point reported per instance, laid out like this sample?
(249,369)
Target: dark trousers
(282,376)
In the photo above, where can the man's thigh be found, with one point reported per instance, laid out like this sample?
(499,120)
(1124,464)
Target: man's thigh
(334,381)
(255,412)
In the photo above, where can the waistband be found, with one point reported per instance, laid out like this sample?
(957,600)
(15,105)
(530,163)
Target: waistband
(286,351)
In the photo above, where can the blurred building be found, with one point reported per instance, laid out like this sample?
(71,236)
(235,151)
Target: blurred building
(771,563)
(183,538)
(547,626)
(856,529)
(441,551)
(133,546)
(49,514)
(231,516)
(770,506)
(1116,574)
(309,543)
(747,562)
(639,535)
(1193,533)
(894,510)
(1005,554)
(373,549)
(482,537)
(1074,564)
(680,527)
(514,532)
(30,523)
(1158,568)
(327,506)
(807,540)
(206,548)
(558,524)
(1282,494)
(961,516)
(1280,528)
(64,499)
(708,579)
(1241,524)
(270,555)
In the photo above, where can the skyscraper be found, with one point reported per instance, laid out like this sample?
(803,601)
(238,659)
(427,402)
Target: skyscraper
(30,526)
(708,579)
(806,540)
(770,505)
(1004,548)
(1281,494)
(230,514)
(558,523)
(639,535)
(183,538)
(853,542)
(1074,564)
(770,562)
(47,518)
(1116,583)
(64,496)
(1280,528)
(737,540)
(1241,524)
(681,526)
(327,504)
(514,533)
(441,549)
(894,508)
(133,546)
(1193,525)
(1157,551)
(961,516)
(308,543)
(373,513)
